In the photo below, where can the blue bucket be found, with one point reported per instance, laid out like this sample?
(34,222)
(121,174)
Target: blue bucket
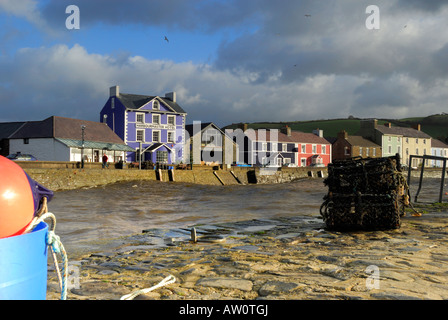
(23,265)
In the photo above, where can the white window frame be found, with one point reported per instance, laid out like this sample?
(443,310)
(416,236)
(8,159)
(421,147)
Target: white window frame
(173,118)
(159,138)
(156,105)
(172,134)
(274,146)
(314,149)
(304,148)
(264,146)
(284,147)
(303,162)
(142,132)
(324,149)
(139,114)
(154,116)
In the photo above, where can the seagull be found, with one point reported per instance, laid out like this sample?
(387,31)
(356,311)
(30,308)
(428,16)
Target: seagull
(405,26)
(166,39)
(307,15)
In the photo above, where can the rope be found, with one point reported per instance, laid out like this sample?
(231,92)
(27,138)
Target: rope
(168,280)
(54,242)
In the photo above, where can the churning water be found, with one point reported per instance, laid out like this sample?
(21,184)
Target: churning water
(86,217)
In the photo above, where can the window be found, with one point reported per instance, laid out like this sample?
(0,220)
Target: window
(407,140)
(162,156)
(324,149)
(346,151)
(407,151)
(398,139)
(399,150)
(274,146)
(284,147)
(390,138)
(140,118)
(303,162)
(360,151)
(171,120)
(416,151)
(390,149)
(279,161)
(26,141)
(155,136)
(156,105)
(424,141)
(156,118)
(303,148)
(416,140)
(264,146)
(367,152)
(112,103)
(171,136)
(314,148)
(141,135)
(374,152)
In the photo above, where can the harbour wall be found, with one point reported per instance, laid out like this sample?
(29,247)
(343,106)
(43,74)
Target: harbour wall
(58,176)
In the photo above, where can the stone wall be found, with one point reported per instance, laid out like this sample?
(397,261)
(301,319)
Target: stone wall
(70,178)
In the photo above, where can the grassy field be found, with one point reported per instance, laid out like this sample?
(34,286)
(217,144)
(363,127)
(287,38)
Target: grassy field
(435,125)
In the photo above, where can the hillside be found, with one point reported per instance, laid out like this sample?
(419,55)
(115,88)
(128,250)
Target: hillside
(435,125)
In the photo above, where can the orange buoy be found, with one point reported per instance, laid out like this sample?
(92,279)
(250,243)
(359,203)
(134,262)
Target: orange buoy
(16,199)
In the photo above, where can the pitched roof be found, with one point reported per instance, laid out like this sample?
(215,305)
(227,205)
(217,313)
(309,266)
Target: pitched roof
(9,128)
(66,128)
(403,131)
(190,127)
(136,101)
(362,142)
(295,137)
(438,144)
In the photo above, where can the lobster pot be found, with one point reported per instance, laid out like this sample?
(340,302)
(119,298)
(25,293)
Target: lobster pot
(364,194)
(23,265)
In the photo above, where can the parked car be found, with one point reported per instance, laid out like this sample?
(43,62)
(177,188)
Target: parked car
(21,157)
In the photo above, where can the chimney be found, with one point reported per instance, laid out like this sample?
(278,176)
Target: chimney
(114,91)
(388,124)
(171,96)
(286,130)
(417,127)
(319,133)
(342,134)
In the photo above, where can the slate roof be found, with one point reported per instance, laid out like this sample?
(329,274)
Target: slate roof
(403,131)
(190,127)
(136,101)
(362,142)
(296,137)
(438,144)
(69,131)
(9,128)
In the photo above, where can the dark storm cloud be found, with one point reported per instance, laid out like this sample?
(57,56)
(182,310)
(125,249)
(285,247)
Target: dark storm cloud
(191,15)
(425,5)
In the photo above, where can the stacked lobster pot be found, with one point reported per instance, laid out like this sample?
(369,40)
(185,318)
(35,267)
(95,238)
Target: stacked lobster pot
(365,194)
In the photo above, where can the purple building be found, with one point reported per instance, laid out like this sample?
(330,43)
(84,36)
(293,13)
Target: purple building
(154,124)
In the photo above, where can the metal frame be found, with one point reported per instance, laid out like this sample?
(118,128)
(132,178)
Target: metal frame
(426,157)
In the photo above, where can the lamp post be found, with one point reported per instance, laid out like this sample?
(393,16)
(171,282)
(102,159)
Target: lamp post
(83,127)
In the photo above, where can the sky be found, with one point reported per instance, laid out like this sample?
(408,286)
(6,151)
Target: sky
(228,61)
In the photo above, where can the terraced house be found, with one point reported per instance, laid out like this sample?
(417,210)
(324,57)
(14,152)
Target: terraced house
(153,125)
(401,140)
(287,148)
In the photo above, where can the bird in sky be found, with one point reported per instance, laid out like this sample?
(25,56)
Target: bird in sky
(166,39)
(307,15)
